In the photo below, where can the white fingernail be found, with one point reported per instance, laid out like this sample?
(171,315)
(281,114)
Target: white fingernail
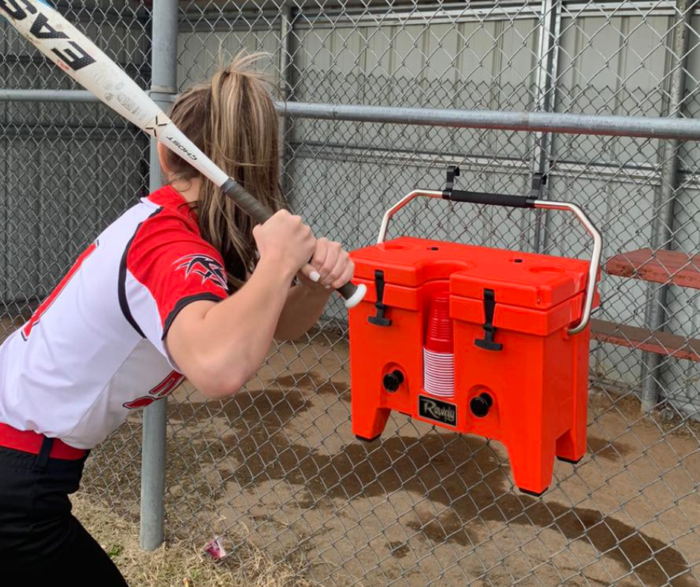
(314,276)
(327,286)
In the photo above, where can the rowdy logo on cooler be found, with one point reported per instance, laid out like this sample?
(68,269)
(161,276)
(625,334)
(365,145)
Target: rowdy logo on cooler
(438,411)
(208,268)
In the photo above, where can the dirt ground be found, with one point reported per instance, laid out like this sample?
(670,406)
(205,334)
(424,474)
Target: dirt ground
(277,466)
(176,562)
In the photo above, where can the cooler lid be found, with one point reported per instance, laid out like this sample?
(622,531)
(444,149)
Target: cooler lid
(519,279)
(522,279)
(411,261)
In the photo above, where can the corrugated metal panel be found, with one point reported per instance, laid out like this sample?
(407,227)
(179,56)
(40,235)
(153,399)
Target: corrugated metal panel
(201,53)
(370,188)
(418,65)
(69,169)
(50,214)
(55,202)
(612,65)
(690,150)
(21,232)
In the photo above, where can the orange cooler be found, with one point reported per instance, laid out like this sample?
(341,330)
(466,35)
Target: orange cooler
(476,340)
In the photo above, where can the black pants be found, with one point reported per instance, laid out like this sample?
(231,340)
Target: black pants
(41,542)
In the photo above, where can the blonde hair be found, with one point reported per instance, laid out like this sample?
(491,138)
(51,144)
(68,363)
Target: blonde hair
(232,119)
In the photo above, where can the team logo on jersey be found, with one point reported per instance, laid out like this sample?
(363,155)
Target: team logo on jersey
(208,268)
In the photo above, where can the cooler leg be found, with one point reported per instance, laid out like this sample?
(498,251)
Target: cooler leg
(572,445)
(532,463)
(368,422)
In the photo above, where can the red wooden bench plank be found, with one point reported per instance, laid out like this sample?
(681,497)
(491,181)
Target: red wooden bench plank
(661,343)
(660,267)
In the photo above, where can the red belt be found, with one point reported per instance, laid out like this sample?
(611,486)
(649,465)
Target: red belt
(30,441)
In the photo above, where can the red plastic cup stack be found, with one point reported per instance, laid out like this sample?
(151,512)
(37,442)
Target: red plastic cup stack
(438,352)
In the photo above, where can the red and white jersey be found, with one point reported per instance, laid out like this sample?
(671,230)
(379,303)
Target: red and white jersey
(94,349)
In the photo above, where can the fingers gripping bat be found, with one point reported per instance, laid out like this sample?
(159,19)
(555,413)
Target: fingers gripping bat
(80,58)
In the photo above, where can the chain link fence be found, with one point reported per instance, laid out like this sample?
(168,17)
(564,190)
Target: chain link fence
(277,465)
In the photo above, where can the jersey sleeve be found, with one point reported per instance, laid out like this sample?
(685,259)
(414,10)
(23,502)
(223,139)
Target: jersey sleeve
(166,267)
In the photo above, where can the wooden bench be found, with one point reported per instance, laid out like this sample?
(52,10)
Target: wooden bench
(653,341)
(673,267)
(660,267)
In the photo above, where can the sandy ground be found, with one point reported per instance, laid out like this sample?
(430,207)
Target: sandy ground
(277,466)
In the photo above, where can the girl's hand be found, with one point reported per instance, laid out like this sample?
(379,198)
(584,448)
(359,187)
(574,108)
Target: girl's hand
(286,241)
(332,263)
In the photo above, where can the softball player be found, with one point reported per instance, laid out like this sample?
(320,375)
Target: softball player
(181,285)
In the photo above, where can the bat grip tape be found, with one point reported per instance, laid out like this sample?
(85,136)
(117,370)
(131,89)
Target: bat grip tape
(248,203)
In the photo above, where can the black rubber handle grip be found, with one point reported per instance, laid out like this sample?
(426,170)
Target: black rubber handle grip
(261,213)
(491,199)
(257,211)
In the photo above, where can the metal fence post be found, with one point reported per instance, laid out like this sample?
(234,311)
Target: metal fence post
(163,82)
(662,237)
(287,86)
(550,29)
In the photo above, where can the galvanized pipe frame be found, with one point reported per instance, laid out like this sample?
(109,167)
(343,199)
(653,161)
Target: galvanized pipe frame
(602,125)
(663,235)
(227,21)
(554,122)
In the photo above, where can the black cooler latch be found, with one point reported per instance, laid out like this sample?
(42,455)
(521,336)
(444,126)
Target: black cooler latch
(487,343)
(380,319)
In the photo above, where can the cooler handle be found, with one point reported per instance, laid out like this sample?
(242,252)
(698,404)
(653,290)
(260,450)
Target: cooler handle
(517,202)
(490,199)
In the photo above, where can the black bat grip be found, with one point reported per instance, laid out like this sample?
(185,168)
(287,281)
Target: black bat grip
(491,199)
(251,206)
(261,213)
